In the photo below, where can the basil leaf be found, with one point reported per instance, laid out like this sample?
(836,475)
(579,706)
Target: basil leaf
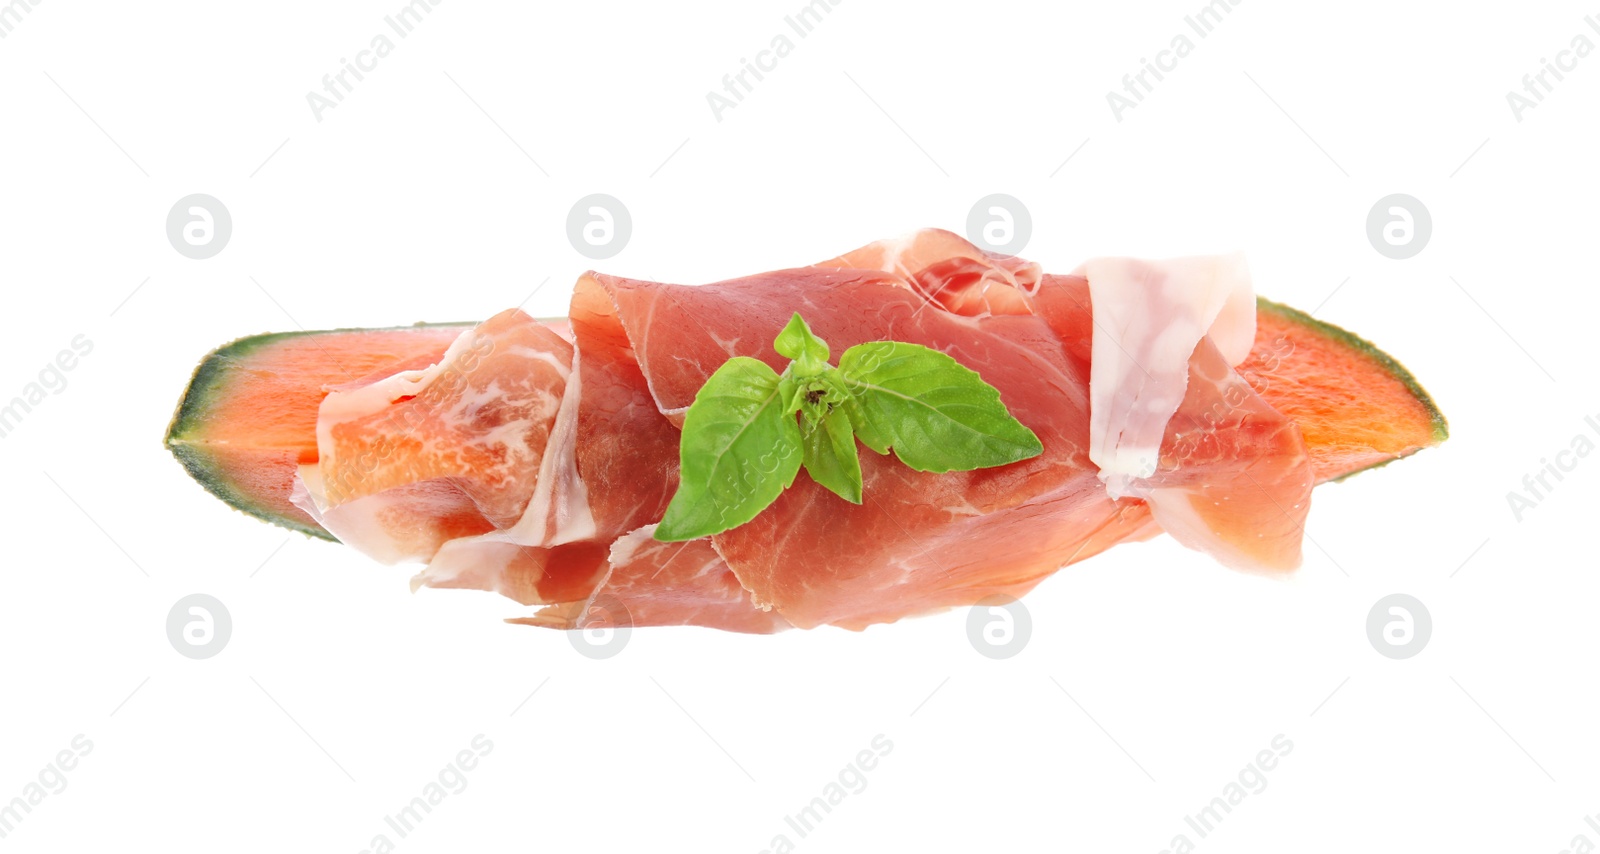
(810,353)
(830,456)
(743,443)
(738,452)
(935,413)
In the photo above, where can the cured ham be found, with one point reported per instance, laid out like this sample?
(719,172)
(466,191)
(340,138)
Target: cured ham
(535,459)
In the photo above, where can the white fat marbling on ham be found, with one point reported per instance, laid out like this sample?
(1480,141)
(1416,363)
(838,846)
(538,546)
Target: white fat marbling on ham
(411,461)
(558,512)
(952,273)
(1148,317)
(651,583)
(398,525)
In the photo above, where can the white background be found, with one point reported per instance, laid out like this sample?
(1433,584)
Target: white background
(439,189)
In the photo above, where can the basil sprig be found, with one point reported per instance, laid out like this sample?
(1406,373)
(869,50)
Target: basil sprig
(750,429)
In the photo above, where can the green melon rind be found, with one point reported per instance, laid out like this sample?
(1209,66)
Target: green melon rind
(1440,427)
(210,379)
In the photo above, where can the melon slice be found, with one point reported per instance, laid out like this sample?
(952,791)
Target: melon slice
(247,420)
(1356,406)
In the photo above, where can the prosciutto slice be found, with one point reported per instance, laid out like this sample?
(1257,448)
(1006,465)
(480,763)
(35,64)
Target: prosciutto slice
(412,461)
(539,467)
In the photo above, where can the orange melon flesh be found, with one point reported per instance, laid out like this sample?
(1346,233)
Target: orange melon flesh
(248,417)
(1356,406)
